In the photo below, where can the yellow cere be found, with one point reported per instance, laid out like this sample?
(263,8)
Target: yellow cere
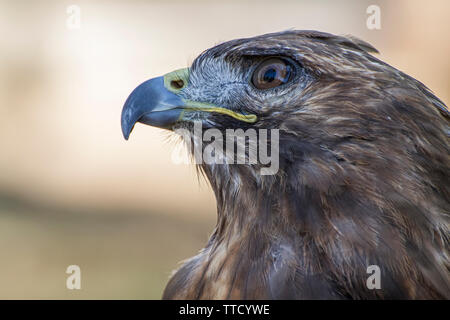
(176,80)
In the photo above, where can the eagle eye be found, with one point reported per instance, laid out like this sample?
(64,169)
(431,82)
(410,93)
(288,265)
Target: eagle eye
(271,73)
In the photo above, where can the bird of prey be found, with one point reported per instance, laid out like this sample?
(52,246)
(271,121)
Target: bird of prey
(363,177)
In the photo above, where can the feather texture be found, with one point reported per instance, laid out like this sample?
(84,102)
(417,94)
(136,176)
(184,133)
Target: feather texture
(363,180)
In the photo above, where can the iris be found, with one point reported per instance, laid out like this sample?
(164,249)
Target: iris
(271,73)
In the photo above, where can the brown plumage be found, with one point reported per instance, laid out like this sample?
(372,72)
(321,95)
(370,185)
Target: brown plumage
(363,178)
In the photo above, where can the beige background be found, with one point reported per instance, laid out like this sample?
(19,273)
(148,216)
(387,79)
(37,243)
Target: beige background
(72,191)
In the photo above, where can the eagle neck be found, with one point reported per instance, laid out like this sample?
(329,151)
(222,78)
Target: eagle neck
(243,204)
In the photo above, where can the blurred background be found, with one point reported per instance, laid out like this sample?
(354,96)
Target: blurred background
(74,192)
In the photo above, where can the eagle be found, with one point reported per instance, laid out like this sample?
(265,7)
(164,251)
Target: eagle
(358,207)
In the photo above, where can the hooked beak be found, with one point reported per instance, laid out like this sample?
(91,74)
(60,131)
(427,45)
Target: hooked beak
(152,104)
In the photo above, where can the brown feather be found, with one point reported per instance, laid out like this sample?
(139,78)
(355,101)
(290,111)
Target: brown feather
(363,180)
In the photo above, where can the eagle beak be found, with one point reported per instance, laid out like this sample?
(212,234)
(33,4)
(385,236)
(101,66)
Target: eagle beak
(153,104)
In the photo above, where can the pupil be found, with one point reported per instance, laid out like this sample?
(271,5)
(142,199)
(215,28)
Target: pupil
(270,75)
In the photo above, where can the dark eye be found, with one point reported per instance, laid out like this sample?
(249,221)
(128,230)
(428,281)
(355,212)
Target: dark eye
(271,73)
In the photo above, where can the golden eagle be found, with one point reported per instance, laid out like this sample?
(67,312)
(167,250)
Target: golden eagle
(362,179)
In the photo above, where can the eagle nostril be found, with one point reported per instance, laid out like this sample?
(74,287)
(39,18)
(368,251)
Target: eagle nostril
(177,84)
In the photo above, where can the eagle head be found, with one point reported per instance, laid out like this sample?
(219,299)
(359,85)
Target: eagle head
(361,177)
